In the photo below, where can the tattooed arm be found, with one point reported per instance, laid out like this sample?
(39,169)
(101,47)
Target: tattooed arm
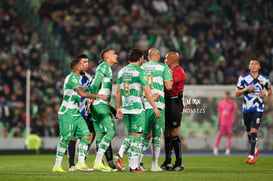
(86,94)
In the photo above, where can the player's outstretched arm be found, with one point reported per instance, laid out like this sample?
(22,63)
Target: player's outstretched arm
(86,94)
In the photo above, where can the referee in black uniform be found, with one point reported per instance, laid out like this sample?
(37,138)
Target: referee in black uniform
(173,113)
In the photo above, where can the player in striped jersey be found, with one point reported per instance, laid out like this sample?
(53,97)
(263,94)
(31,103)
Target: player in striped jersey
(132,81)
(86,80)
(158,75)
(70,120)
(255,87)
(102,118)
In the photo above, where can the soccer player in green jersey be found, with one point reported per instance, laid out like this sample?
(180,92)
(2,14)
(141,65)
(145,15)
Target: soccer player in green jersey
(131,83)
(158,75)
(103,121)
(70,120)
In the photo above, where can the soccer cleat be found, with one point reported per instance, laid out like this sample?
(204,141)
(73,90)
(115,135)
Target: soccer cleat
(83,168)
(108,168)
(118,162)
(227,152)
(58,169)
(215,151)
(101,167)
(156,169)
(72,169)
(178,167)
(250,160)
(257,150)
(166,166)
(112,164)
(141,167)
(136,170)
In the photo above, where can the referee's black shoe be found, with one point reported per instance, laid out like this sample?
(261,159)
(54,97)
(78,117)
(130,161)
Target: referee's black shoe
(166,166)
(178,168)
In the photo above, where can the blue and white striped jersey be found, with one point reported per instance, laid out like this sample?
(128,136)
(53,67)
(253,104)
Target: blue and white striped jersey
(86,81)
(253,102)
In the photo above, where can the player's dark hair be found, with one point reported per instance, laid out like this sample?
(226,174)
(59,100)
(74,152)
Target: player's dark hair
(255,60)
(80,56)
(103,52)
(134,55)
(74,62)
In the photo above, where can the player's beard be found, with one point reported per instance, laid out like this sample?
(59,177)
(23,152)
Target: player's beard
(81,72)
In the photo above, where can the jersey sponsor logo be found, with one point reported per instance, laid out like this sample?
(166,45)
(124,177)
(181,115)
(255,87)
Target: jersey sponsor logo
(74,80)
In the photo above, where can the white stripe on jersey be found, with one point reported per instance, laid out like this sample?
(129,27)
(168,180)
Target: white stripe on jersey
(105,91)
(135,86)
(130,100)
(69,105)
(158,80)
(106,79)
(70,92)
(158,105)
(96,102)
(132,111)
(129,71)
(153,67)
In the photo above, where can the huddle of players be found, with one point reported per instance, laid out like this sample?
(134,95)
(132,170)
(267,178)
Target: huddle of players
(140,102)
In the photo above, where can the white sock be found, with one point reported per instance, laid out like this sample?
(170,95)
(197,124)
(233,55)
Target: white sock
(134,162)
(121,151)
(156,153)
(98,158)
(58,161)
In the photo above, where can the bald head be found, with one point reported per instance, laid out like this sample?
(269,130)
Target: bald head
(172,59)
(153,54)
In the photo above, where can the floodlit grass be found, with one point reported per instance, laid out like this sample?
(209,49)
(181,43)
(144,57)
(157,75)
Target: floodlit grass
(216,168)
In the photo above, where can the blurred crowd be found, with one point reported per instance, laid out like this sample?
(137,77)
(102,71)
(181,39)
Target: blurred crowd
(215,39)
(20,49)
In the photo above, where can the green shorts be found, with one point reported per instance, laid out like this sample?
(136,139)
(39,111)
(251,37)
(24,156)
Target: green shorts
(102,119)
(152,124)
(71,124)
(134,122)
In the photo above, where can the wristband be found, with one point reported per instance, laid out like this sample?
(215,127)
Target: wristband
(266,93)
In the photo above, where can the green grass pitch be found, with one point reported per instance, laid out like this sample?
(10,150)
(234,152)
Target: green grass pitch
(201,168)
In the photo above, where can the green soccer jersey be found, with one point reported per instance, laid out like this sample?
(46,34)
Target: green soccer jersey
(71,98)
(102,83)
(130,80)
(156,73)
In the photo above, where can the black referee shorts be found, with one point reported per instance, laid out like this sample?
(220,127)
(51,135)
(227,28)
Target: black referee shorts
(89,122)
(173,112)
